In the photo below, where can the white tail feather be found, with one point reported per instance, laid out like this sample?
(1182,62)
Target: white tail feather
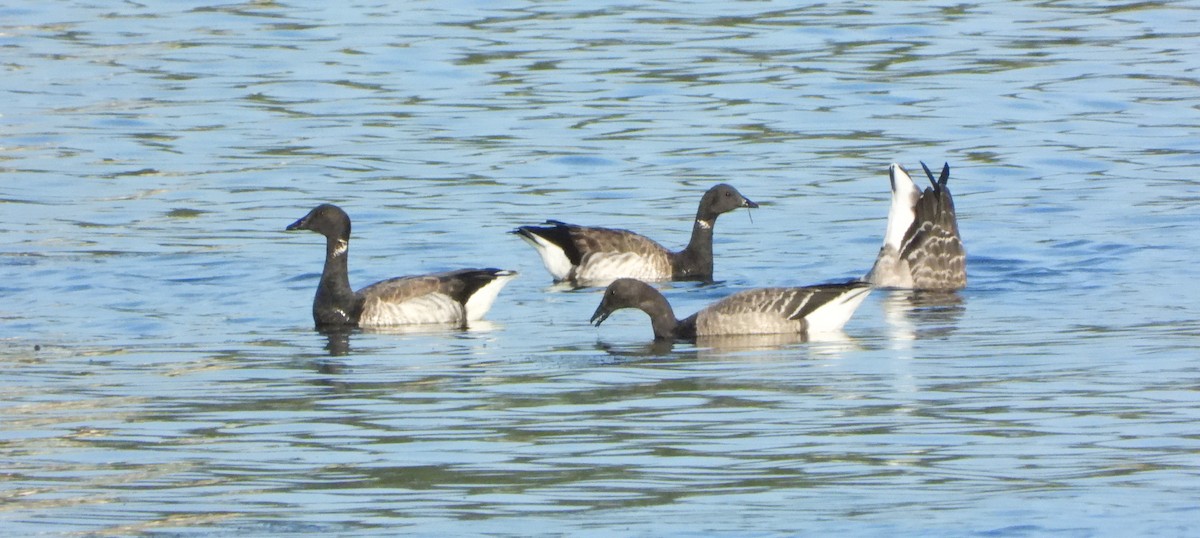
(903,210)
(552,255)
(481,301)
(831,316)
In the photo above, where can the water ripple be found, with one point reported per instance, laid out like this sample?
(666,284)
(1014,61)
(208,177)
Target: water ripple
(162,376)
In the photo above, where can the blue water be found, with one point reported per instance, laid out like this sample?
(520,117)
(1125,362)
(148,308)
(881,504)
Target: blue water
(161,375)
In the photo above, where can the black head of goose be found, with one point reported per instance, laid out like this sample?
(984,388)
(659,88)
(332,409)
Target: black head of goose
(808,310)
(591,256)
(922,249)
(453,297)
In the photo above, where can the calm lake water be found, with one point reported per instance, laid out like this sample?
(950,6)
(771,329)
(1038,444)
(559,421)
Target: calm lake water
(161,376)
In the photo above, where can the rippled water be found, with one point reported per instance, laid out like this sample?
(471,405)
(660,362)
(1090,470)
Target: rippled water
(161,376)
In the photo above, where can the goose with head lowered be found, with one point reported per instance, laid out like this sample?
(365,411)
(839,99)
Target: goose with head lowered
(808,310)
(453,297)
(922,249)
(592,256)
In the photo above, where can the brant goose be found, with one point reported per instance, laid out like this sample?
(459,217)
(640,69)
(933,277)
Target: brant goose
(587,256)
(808,310)
(452,297)
(921,249)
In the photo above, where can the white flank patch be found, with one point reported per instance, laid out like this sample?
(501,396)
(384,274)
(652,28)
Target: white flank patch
(429,308)
(603,267)
(481,301)
(903,210)
(553,257)
(831,316)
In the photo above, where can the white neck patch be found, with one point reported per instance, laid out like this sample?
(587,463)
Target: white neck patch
(704,224)
(341,247)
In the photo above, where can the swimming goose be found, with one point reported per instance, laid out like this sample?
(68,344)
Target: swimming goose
(588,256)
(922,249)
(807,310)
(455,297)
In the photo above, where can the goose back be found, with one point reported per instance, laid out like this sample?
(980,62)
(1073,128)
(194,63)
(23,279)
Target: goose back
(454,297)
(588,255)
(809,309)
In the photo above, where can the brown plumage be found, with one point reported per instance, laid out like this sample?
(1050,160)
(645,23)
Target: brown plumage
(922,248)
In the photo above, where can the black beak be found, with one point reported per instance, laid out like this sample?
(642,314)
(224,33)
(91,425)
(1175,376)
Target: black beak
(600,315)
(301,224)
(747,203)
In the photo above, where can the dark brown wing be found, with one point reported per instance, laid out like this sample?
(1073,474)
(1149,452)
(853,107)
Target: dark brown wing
(403,288)
(459,285)
(767,310)
(587,240)
(787,303)
(579,241)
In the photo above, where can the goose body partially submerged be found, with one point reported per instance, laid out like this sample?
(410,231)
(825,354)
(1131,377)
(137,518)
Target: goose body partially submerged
(922,249)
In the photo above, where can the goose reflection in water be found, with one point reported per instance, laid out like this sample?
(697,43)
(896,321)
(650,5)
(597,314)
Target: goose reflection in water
(920,314)
(789,346)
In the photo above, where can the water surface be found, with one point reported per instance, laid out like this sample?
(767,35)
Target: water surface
(161,375)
